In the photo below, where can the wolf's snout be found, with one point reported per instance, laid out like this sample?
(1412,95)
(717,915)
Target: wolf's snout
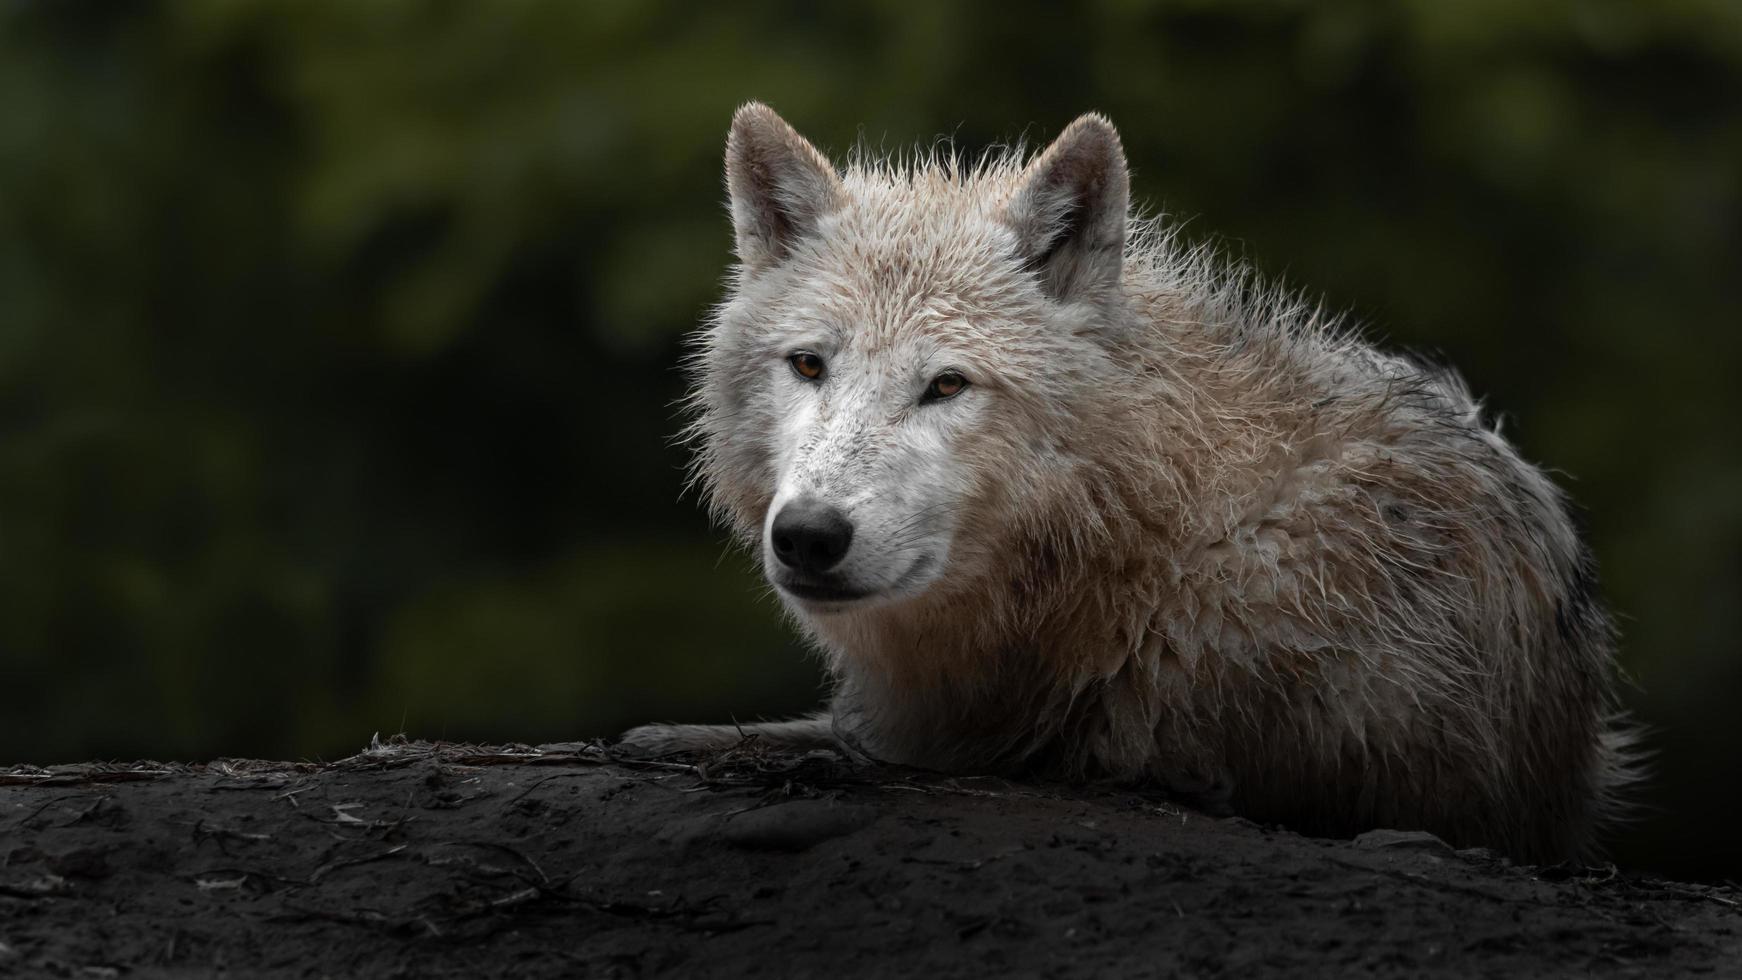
(809,536)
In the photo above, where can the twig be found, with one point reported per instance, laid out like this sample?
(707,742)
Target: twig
(529,862)
(32,815)
(321,872)
(267,875)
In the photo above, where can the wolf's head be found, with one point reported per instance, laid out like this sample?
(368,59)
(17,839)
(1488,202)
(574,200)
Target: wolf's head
(898,377)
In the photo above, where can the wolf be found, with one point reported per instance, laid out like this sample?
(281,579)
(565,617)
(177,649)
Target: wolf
(1057,496)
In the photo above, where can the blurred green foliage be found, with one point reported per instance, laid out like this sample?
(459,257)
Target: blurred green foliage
(338,341)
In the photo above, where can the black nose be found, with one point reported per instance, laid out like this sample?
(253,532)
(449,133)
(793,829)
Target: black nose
(810,536)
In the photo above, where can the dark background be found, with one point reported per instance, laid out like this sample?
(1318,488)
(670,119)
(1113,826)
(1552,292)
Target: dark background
(339,342)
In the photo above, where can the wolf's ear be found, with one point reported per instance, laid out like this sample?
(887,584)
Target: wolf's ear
(1069,210)
(780,185)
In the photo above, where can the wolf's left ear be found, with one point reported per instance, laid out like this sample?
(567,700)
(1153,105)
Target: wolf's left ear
(1069,210)
(780,185)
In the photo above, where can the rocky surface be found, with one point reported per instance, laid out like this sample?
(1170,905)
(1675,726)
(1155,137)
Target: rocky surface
(420,860)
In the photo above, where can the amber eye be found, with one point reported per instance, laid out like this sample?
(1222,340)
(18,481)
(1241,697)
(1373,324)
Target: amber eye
(946,385)
(807,365)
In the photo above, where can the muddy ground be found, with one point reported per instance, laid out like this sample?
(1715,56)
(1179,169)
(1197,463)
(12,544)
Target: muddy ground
(417,860)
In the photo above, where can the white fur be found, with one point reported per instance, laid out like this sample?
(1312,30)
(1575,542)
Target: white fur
(1181,527)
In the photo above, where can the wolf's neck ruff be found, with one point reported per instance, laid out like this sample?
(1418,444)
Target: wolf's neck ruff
(1166,524)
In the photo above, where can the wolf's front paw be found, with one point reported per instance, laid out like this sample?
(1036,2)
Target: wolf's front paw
(657,741)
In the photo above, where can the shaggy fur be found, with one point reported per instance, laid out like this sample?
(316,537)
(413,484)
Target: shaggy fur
(1179,527)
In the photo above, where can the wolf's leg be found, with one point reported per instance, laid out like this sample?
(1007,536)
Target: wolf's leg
(811,732)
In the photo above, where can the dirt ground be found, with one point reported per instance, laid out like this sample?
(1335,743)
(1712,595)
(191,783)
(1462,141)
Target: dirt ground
(419,860)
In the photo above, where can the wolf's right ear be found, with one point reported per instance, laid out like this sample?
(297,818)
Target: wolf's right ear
(1069,211)
(780,185)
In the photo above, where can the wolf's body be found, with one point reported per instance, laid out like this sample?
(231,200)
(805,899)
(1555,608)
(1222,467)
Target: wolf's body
(1170,526)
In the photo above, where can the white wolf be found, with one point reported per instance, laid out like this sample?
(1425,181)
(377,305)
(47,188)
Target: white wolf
(1057,496)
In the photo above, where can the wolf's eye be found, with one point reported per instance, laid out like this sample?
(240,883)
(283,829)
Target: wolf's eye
(806,365)
(946,385)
